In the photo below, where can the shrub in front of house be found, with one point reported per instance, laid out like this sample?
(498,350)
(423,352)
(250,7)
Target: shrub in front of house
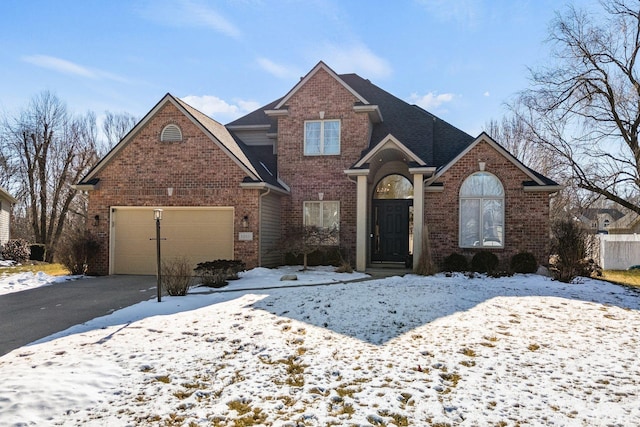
(176,276)
(569,246)
(455,263)
(16,250)
(216,273)
(78,252)
(37,252)
(523,262)
(485,262)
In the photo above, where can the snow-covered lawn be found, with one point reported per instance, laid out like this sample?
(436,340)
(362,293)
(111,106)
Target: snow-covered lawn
(521,350)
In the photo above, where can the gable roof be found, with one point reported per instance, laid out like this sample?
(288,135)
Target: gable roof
(320,66)
(5,195)
(537,179)
(218,133)
(431,139)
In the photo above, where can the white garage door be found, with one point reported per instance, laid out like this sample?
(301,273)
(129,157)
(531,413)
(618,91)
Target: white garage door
(199,234)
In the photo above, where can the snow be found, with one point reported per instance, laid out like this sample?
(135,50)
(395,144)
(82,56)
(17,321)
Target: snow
(28,280)
(398,351)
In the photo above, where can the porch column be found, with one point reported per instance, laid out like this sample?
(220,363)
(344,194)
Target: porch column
(418,216)
(361,224)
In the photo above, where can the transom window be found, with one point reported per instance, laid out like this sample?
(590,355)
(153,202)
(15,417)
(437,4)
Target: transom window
(482,211)
(394,187)
(321,137)
(171,133)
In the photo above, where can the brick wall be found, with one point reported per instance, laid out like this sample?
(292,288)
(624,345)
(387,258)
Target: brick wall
(526,214)
(309,175)
(199,172)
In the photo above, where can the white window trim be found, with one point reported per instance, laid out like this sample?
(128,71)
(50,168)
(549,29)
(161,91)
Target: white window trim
(480,219)
(322,122)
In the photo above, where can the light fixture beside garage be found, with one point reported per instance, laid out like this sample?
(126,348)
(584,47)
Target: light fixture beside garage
(96,220)
(170,191)
(245,221)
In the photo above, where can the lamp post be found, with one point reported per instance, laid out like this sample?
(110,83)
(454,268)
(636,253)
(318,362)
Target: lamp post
(157,215)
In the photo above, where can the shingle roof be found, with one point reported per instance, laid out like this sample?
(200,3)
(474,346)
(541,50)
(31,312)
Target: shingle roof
(435,141)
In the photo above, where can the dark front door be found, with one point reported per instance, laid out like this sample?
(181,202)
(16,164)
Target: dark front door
(390,222)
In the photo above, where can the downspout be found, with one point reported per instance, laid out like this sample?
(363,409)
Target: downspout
(260,226)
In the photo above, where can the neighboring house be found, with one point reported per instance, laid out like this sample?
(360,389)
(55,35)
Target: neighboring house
(601,220)
(6,201)
(335,151)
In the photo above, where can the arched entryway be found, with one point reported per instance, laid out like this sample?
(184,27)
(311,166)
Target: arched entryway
(392,219)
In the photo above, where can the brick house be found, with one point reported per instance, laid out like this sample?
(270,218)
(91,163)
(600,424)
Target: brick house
(335,151)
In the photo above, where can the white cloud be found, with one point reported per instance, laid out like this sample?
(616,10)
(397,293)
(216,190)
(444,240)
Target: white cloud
(219,109)
(189,13)
(67,67)
(487,93)
(278,70)
(356,58)
(431,100)
(464,12)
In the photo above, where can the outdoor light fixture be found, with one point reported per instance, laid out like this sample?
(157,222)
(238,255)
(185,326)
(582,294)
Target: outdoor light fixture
(170,191)
(245,221)
(96,220)
(157,214)
(482,166)
(320,196)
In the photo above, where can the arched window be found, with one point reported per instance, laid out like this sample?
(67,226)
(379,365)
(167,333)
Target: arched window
(393,187)
(481,211)
(171,133)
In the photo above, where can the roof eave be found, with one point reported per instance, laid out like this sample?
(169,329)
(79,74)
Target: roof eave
(375,115)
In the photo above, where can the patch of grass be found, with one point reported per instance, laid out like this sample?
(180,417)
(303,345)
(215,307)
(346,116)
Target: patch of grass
(468,352)
(50,269)
(533,347)
(623,277)
(468,363)
(163,379)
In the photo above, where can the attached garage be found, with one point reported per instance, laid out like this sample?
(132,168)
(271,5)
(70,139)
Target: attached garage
(197,233)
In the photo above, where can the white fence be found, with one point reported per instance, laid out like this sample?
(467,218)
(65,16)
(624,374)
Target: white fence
(617,251)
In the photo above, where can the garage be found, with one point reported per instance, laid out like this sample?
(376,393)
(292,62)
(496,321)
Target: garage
(197,233)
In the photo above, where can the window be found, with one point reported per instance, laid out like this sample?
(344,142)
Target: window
(171,133)
(321,137)
(393,187)
(322,214)
(482,211)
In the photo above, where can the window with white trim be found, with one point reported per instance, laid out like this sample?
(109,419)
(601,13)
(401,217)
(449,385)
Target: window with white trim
(171,133)
(321,137)
(482,211)
(322,221)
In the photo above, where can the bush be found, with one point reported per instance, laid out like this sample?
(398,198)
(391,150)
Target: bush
(79,252)
(37,252)
(455,263)
(484,262)
(16,250)
(569,247)
(216,273)
(524,262)
(176,276)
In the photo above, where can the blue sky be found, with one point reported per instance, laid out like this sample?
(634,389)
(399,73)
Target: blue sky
(461,60)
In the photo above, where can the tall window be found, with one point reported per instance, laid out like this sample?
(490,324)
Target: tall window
(482,211)
(321,137)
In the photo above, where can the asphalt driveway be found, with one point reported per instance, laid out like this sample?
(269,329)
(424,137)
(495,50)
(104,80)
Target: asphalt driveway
(36,313)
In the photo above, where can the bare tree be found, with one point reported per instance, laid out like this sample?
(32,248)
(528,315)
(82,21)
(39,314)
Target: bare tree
(585,107)
(52,150)
(115,127)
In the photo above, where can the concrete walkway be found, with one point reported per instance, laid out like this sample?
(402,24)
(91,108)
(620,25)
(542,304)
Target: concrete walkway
(36,313)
